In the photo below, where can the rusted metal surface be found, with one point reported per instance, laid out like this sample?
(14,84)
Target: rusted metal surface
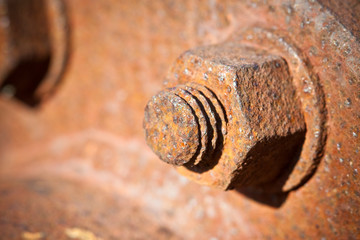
(88,138)
(265,126)
(56,215)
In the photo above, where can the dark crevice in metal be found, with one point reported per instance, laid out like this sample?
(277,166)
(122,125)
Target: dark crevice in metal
(25,79)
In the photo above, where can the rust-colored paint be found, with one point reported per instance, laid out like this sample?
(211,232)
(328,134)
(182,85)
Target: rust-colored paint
(86,143)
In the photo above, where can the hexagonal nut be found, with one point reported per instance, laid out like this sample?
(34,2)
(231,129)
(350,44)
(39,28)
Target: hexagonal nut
(264,125)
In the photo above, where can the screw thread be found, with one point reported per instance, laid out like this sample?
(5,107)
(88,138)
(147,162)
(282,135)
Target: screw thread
(210,117)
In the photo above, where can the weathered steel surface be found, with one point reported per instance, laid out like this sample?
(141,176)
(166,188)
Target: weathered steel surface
(89,135)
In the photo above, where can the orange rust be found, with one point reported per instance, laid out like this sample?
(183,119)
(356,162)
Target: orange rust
(86,140)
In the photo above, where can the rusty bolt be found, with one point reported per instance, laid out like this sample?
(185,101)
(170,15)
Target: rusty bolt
(229,117)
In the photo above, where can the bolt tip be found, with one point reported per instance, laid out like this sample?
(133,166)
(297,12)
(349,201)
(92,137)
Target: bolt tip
(171,128)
